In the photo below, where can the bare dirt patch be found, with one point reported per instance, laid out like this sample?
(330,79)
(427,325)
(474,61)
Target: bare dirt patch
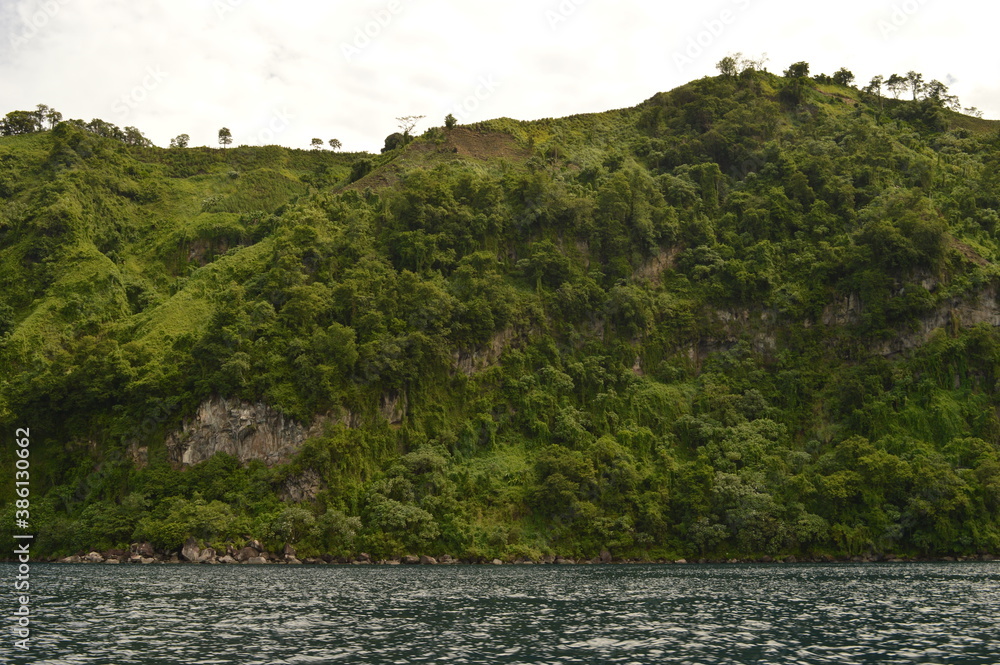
(459,142)
(969,253)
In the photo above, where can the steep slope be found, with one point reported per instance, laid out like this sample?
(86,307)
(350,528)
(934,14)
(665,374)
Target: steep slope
(754,315)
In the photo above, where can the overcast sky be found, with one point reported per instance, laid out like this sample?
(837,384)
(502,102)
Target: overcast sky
(285,72)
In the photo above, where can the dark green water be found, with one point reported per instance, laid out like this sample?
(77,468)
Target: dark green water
(893,613)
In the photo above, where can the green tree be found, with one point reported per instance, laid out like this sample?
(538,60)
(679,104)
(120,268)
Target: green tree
(19,122)
(916,83)
(938,92)
(316,144)
(843,76)
(797,70)
(450,121)
(132,136)
(53,117)
(225,137)
(180,141)
(393,141)
(728,66)
(874,87)
(896,84)
(335,144)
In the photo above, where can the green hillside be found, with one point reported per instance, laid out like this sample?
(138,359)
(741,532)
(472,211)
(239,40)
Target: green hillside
(755,315)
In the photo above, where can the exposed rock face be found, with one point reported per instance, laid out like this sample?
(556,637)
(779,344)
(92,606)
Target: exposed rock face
(302,487)
(472,361)
(244,430)
(953,315)
(761,328)
(845,311)
(393,408)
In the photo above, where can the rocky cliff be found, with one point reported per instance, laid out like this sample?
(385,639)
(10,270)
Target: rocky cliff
(248,431)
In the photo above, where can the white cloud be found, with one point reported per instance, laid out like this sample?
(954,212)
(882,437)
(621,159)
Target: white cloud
(240,63)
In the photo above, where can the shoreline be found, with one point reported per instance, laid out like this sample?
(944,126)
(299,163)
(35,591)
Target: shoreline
(267,558)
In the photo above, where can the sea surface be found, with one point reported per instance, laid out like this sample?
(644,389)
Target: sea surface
(629,614)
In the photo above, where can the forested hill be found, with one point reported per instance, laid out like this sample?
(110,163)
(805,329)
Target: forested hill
(756,315)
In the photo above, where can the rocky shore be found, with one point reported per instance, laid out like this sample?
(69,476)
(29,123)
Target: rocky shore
(253,552)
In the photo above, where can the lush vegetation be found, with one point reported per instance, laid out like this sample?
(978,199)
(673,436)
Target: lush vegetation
(749,316)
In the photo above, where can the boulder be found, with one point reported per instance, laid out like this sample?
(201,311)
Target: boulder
(227,559)
(446,559)
(190,550)
(255,544)
(428,560)
(410,560)
(289,551)
(497,562)
(135,558)
(111,561)
(94,557)
(292,560)
(142,549)
(605,556)
(246,554)
(207,555)
(680,561)
(256,560)
(147,559)
(71,559)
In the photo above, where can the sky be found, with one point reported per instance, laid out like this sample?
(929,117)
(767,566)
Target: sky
(286,72)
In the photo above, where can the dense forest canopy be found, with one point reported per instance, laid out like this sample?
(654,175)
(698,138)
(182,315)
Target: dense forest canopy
(755,315)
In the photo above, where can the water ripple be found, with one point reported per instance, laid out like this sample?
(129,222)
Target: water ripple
(632,615)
